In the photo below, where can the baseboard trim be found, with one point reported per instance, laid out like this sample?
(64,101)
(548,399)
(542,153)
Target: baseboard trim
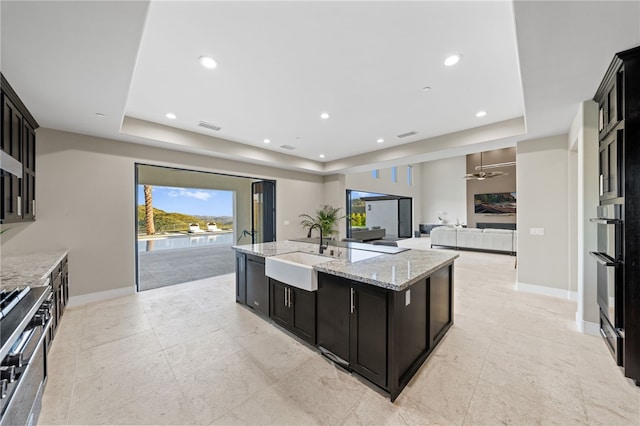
(100,295)
(592,328)
(547,291)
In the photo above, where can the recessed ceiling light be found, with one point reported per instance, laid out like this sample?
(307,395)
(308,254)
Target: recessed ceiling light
(99,114)
(452,60)
(426,88)
(267,141)
(170,116)
(481,113)
(321,155)
(380,140)
(324,115)
(208,62)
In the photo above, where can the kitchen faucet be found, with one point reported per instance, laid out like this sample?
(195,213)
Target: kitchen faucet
(322,247)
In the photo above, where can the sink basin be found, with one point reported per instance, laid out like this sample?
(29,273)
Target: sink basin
(295,269)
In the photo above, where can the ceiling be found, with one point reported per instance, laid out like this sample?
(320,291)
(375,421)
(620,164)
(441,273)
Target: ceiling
(281,64)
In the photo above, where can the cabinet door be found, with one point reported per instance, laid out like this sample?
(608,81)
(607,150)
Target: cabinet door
(369,334)
(280,311)
(257,285)
(241,278)
(611,165)
(333,314)
(303,314)
(11,144)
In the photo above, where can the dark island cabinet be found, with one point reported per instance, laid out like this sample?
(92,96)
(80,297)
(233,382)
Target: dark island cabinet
(352,326)
(17,140)
(294,309)
(257,285)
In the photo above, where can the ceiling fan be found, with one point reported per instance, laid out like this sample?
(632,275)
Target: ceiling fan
(482,175)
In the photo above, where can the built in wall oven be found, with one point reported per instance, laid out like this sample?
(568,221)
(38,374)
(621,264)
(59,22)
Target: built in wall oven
(610,258)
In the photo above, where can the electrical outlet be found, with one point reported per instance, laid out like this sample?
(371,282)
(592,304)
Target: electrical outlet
(407,298)
(537,231)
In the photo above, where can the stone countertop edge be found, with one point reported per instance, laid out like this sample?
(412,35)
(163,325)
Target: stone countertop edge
(392,271)
(31,269)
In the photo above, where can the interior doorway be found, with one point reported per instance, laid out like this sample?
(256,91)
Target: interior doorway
(187,221)
(378,216)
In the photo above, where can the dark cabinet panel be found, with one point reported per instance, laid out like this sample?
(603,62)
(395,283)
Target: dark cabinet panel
(369,333)
(413,333)
(280,311)
(241,277)
(257,285)
(440,304)
(294,309)
(334,310)
(611,165)
(352,324)
(303,314)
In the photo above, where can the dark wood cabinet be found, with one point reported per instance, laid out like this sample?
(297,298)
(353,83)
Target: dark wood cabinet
(611,165)
(257,285)
(352,325)
(18,140)
(368,333)
(619,135)
(294,309)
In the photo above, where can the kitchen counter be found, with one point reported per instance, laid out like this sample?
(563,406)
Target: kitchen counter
(32,269)
(391,271)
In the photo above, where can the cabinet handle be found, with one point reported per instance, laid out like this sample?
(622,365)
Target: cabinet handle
(286,297)
(352,305)
(19,205)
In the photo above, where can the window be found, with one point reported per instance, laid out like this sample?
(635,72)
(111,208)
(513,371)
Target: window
(375,174)
(394,174)
(410,175)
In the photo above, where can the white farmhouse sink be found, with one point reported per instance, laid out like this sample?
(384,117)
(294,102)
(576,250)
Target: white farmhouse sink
(295,269)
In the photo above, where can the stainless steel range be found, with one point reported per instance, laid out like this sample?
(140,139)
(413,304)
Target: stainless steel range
(25,319)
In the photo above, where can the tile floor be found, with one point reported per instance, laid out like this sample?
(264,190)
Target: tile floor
(188,354)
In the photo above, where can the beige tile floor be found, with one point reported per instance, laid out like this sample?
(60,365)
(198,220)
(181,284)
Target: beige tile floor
(188,354)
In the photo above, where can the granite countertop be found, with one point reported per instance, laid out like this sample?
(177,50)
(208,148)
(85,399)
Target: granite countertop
(30,269)
(393,271)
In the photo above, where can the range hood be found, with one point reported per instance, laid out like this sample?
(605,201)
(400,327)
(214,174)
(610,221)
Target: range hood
(8,164)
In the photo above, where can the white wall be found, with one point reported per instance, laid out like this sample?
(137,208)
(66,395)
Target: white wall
(543,197)
(85,192)
(444,189)
(384,214)
(583,140)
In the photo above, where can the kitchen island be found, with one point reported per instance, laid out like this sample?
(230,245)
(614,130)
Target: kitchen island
(377,311)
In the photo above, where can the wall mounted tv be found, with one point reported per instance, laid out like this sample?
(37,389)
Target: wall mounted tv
(495,203)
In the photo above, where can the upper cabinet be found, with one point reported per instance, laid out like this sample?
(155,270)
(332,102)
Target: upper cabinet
(18,145)
(618,127)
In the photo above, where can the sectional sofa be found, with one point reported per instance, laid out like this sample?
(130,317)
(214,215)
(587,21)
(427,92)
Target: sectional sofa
(494,240)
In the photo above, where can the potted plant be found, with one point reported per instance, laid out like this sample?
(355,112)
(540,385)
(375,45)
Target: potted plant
(326,217)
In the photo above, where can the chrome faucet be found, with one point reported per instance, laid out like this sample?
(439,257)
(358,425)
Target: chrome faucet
(322,247)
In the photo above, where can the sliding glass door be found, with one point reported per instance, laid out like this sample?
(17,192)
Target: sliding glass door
(263,212)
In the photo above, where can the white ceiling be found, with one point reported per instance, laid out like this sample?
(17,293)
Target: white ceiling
(283,63)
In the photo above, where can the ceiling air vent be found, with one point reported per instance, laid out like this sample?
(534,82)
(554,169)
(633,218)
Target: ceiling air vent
(289,147)
(411,133)
(209,126)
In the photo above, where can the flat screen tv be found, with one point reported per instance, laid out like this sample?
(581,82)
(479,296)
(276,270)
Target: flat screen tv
(496,203)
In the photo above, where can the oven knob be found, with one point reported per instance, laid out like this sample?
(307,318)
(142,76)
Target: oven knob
(8,373)
(3,388)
